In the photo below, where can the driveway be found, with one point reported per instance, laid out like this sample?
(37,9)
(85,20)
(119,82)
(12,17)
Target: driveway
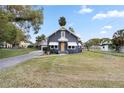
(11,61)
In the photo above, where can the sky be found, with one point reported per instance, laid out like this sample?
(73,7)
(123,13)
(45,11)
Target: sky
(93,21)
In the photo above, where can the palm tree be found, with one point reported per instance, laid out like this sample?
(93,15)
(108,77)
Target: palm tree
(118,39)
(40,38)
(62,21)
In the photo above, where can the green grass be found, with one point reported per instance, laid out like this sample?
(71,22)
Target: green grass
(87,69)
(114,53)
(5,53)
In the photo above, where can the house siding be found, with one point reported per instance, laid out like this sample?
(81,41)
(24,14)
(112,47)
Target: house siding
(76,50)
(70,37)
(54,37)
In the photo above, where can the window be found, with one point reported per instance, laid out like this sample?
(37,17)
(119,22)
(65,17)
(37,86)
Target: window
(62,34)
(71,47)
(54,47)
(51,47)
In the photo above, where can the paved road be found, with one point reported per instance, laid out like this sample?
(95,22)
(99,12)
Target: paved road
(7,62)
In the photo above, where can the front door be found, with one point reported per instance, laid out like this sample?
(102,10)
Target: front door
(62,46)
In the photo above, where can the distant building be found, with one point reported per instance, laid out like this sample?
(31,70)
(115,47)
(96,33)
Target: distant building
(23,44)
(5,45)
(95,47)
(105,45)
(42,44)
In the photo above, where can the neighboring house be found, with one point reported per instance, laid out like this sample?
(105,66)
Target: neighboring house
(5,45)
(95,47)
(105,46)
(64,41)
(23,44)
(42,44)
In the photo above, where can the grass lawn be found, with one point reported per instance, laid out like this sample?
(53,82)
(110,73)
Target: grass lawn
(114,53)
(4,53)
(87,69)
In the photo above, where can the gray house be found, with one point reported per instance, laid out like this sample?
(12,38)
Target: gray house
(64,41)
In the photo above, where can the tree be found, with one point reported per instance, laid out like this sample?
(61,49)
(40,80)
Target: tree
(15,18)
(62,21)
(105,40)
(95,41)
(12,35)
(7,33)
(92,42)
(24,16)
(87,45)
(40,38)
(71,29)
(118,39)
(19,36)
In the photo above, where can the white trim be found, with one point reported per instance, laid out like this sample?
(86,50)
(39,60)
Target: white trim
(63,34)
(63,39)
(73,33)
(79,44)
(53,43)
(72,44)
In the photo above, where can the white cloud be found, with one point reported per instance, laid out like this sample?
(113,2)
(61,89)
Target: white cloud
(109,14)
(103,32)
(107,27)
(84,9)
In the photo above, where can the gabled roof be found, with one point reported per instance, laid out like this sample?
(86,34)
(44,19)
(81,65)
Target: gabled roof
(105,43)
(63,28)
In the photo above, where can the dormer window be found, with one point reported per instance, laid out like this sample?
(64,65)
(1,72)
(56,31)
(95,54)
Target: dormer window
(62,33)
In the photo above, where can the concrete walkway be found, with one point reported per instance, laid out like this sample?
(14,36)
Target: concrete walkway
(11,61)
